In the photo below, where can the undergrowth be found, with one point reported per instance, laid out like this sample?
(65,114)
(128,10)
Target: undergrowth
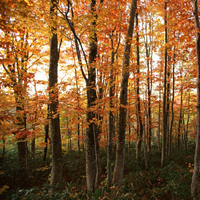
(170,183)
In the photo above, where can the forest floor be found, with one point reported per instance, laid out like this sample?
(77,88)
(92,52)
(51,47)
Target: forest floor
(170,183)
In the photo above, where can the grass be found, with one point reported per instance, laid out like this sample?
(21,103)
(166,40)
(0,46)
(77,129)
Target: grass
(171,182)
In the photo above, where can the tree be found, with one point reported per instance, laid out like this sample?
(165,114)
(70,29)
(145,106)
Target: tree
(18,40)
(56,170)
(140,134)
(195,177)
(164,96)
(120,151)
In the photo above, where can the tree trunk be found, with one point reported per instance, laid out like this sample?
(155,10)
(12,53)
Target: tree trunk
(168,105)
(195,177)
(110,119)
(164,97)
(21,142)
(22,153)
(78,125)
(46,129)
(188,118)
(139,117)
(172,108)
(93,170)
(159,115)
(120,151)
(180,115)
(56,170)
(145,139)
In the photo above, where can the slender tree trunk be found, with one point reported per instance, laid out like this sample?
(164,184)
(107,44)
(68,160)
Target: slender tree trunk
(33,148)
(78,125)
(145,139)
(188,118)
(3,151)
(120,151)
(33,140)
(159,115)
(46,129)
(172,107)
(195,177)
(180,115)
(164,97)
(149,101)
(110,119)
(56,170)
(168,104)
(139,117)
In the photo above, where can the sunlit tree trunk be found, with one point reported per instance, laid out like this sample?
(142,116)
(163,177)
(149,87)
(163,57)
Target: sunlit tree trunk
(56,170)
(172,107)
(120,151)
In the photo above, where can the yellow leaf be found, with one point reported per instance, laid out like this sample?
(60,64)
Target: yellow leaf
(4,188)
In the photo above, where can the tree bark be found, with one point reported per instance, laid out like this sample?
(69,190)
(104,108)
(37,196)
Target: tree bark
(180,114)
(78,125)
(120,151)
(195,177)
(159,115)
(93,170)
(172,107)
(56,170)
(139,117)
(164,97)
(187,123)
(110,118)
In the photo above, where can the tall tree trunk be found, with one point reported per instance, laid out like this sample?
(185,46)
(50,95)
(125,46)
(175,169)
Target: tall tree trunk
(195,177)
(180,114)
(172,107)
(164,97)
(159,115)
(78,125)
(120,151)
(33,139)
(187,123)
(168,104)
(139,117)
(56,170)
(110,118)
(93,170)
(46,129)
(21,142)
(145,139)
(149,100)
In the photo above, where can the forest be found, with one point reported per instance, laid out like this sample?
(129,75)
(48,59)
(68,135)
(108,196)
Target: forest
(99,99)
